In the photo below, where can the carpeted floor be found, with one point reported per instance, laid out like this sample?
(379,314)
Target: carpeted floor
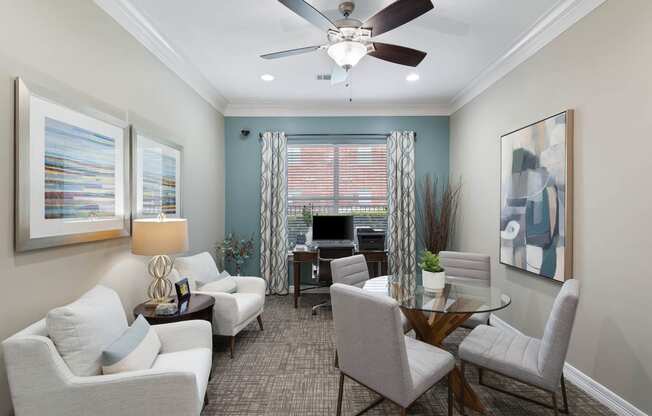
(287,369)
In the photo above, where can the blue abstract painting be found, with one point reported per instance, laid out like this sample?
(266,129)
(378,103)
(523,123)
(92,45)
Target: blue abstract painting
(536,187)
(79,172)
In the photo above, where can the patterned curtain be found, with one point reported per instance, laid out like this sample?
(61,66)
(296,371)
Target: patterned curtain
(401,222)
(273,213)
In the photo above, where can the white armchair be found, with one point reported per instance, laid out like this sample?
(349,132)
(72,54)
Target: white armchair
(42,383)
(238,299)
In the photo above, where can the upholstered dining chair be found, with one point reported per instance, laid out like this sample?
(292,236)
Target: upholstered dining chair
(375,353)
(468,268)
(535,362)
(353,271)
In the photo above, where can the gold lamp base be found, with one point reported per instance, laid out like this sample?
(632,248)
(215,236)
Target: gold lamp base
(160,290)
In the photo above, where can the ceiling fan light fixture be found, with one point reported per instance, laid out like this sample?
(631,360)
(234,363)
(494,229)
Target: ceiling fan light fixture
(347,53)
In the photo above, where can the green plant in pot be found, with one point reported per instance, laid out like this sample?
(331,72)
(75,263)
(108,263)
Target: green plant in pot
(434,276)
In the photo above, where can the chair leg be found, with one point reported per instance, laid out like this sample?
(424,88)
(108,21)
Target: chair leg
(337,361)
(260,321)
(463,383)
(232,344)
(324,304)
(339,394)
(554,403)
(564,395)
(450,394)
(480,376)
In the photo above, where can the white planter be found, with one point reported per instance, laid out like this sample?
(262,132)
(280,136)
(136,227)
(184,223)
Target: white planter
(433,281)
(309,235)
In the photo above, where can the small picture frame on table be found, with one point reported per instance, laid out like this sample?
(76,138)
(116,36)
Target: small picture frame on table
(183,294)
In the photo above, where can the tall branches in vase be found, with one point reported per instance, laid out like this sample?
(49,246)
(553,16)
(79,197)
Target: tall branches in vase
(437,212)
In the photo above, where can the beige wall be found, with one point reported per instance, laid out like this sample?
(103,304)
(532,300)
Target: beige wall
(602,68)
(74,44)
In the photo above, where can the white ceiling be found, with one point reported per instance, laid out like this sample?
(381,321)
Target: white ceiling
(222,41)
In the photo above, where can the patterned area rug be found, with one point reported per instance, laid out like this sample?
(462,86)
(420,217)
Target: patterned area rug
(287,369)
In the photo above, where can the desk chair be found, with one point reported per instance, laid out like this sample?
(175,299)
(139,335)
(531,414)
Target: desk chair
(375,353)
(325,256)
(468,268)
(538,363)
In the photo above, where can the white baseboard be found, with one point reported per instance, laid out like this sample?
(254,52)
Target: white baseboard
(591,387)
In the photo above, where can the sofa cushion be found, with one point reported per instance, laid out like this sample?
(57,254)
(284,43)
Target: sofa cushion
(197,361)
(198,268)
(226,285)
(135,349)
(83,328)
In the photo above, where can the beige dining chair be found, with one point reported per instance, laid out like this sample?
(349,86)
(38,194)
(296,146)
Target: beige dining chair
(535,362)
(468,268)
(374,351)
(353,271)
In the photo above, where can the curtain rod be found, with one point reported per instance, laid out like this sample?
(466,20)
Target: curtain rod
(383,135)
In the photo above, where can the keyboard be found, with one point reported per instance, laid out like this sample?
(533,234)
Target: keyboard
(334,243)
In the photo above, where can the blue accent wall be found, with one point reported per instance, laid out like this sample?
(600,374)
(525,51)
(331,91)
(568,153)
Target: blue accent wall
(243,158)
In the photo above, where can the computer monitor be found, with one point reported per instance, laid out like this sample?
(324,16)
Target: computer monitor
(332,227)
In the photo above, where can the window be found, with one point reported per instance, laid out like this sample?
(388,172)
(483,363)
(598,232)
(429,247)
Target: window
(347,179)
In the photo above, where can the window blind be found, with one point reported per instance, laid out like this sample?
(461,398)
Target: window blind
(347,179)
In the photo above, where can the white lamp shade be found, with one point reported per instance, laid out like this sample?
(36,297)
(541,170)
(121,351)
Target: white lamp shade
(347,52)
(153,237)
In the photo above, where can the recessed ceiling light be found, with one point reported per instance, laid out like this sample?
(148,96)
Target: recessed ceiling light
(267,77)
(412,77)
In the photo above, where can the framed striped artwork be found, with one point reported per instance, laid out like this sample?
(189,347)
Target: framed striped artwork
(156,166)
(72,169)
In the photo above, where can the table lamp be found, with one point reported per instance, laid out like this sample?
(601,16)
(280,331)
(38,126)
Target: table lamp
(159,237)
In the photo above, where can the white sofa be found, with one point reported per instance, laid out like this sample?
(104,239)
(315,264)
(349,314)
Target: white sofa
(238,299)
(66,379)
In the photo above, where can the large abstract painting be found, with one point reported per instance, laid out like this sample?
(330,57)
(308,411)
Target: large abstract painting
(72,179)
(157,178)
(537,198)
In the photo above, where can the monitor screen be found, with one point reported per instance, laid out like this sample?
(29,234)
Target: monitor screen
(332,227)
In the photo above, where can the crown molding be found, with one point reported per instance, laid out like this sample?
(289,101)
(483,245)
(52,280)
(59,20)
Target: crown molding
(591,387)
(332,110)
(134,22)
(558,19)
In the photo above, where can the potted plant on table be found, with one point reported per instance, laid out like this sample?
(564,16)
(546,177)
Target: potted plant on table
(434,276)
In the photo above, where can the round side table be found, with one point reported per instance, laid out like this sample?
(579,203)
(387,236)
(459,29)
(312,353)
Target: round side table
(199,307)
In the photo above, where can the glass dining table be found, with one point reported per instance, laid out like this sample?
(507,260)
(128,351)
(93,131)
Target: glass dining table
(436,314)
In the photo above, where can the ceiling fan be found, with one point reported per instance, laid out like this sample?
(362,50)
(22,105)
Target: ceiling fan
(349,40)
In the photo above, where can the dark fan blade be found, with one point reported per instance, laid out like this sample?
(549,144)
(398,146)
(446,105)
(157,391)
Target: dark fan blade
(396,14)
(397,54)
(291,52)
(309,13)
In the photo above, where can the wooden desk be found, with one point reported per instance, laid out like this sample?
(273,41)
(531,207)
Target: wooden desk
(376,262)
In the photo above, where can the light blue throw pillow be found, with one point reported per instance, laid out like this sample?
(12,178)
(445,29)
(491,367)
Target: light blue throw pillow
(135,349)
(217,278)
